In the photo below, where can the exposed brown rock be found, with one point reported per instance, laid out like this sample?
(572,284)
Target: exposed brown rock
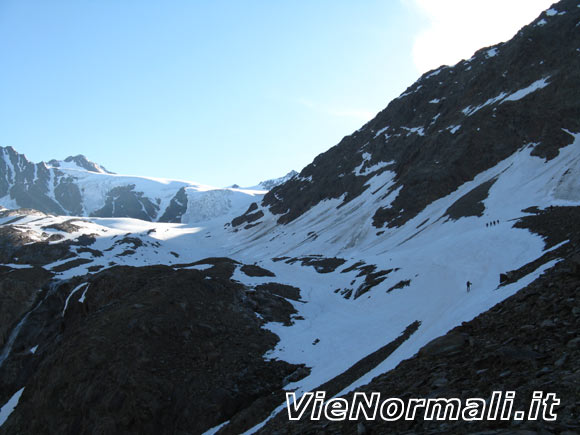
(153,350)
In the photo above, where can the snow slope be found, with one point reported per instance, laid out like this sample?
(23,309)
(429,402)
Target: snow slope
(433,252)
(438,259)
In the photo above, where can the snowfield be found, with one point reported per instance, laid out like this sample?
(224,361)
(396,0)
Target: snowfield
(431,257)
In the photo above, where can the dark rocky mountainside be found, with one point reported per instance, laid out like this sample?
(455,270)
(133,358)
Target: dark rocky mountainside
(18,293)
(455,122)
(147,350)
(29,185)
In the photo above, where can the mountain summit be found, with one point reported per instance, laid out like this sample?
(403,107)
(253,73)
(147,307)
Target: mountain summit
(80,162)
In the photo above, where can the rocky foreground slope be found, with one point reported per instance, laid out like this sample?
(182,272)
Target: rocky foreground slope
(146,350)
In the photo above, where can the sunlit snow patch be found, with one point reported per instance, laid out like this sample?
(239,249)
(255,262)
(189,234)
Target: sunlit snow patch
(9,406)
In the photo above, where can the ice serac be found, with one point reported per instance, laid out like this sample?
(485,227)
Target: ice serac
(453,123)
(269,184)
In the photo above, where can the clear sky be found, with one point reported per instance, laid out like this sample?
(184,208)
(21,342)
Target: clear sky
(221,92)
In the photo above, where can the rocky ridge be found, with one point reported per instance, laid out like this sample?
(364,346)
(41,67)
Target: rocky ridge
(454,122)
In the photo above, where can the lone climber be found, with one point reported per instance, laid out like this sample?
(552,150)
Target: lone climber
(468,286)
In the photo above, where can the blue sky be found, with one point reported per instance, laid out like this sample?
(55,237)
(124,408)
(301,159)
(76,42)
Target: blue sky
(221,92)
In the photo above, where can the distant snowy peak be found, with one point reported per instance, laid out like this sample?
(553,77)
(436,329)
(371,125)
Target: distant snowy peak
(78,187)
(270,184)
(79,162)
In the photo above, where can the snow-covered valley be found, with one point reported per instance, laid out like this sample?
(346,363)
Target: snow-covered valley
(425,263)
(141,305)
